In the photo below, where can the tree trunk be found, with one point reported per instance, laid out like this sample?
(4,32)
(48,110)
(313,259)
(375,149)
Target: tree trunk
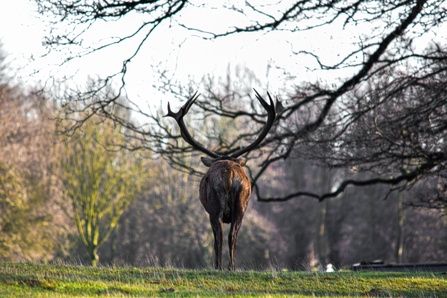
(94,258)
(337,211)
(113,243)
(321,243)
(400,227)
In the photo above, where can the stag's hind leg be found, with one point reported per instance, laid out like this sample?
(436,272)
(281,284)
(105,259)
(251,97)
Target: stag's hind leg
(236,223)
(216,224)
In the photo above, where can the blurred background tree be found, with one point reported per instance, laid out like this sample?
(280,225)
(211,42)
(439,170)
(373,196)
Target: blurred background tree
(100,178)
(28,223)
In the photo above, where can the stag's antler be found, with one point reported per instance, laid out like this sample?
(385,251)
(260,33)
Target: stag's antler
(272,111)
(270,108)
(183,131)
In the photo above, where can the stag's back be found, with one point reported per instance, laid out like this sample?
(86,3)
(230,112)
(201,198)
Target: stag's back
(224,185)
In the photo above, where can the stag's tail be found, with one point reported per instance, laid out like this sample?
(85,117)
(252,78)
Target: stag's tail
(227,177)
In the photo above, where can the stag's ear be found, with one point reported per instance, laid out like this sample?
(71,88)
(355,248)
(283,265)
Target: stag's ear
(242,161)
(207,161)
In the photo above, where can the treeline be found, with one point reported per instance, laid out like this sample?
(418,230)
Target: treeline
(87,198)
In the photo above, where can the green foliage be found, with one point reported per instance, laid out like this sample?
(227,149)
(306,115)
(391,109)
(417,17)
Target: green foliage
(100,181)
(13,207)
(26,221)
(22,227)
(77,281)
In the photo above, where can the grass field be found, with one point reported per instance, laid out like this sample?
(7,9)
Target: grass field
(33,280)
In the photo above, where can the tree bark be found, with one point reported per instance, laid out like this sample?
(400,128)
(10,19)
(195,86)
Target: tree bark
(321,243)
(400,229)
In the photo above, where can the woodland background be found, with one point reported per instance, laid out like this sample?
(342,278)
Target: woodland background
(165,224)
(352,171)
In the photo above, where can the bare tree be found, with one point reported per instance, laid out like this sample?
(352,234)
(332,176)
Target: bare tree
(355,123)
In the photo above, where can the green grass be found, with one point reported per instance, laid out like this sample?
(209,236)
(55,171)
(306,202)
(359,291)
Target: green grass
(33,280)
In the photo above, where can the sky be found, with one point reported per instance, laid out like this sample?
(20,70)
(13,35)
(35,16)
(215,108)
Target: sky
(22,32)
(186,58)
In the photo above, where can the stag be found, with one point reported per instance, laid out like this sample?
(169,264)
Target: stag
(225,189)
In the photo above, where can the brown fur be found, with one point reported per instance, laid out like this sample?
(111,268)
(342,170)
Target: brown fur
(225,192)
(227,177)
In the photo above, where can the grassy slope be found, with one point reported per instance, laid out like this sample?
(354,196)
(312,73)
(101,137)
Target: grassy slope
(32,280)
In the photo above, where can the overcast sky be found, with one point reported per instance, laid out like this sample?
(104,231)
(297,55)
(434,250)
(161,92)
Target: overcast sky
(22,31)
